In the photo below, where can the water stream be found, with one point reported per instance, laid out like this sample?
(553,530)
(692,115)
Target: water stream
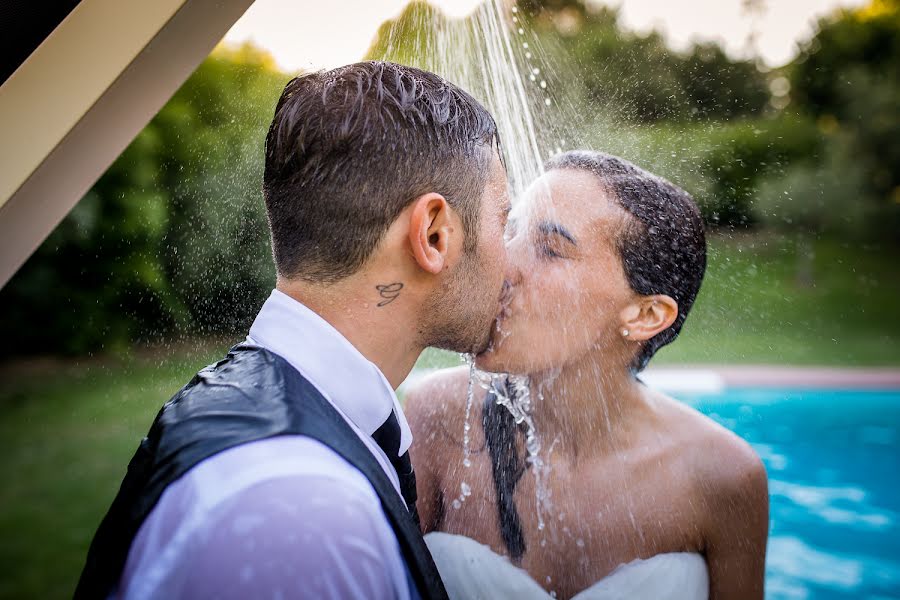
(494,55)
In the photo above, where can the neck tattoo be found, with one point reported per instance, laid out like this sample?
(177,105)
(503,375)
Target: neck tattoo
(388,293)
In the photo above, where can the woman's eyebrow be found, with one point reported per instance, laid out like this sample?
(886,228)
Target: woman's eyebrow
(551,228)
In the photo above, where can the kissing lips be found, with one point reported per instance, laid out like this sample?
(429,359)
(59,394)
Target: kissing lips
(502,314)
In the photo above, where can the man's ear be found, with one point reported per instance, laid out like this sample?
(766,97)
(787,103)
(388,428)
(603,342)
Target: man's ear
(430,227)
(648,316)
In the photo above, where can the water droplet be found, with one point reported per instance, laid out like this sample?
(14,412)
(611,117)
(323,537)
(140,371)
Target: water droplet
(521,31)
(525,45)
(470,393)
(579,542)
(457,504)
(543,85)
(547,101)
(528,55)
(465,489)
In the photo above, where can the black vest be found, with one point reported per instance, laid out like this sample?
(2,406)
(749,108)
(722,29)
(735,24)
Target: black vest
(250,395)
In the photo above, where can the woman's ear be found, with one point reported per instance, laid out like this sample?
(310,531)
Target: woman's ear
(429,232)
(648,316)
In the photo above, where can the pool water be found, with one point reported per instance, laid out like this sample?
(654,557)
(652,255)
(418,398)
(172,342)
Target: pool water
(833,459)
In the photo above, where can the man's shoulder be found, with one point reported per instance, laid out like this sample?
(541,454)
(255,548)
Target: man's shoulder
(261,504)
(296,457)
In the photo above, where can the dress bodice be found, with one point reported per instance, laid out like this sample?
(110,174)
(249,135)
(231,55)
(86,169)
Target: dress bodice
(471,570)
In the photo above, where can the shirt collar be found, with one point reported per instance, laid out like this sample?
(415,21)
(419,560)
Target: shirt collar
(353,384)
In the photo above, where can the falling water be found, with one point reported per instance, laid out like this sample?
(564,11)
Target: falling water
(469,399)
(514,394)
(494,56)
(464,488)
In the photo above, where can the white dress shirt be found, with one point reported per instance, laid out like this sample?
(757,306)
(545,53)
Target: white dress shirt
(284,517)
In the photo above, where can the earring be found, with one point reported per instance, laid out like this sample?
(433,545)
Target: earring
(624,333)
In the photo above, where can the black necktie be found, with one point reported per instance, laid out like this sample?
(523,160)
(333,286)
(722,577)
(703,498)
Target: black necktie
(388,438)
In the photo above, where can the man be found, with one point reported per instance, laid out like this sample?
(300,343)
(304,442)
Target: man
(282,471)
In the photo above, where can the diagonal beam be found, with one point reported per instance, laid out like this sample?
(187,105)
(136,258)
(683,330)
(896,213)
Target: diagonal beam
(74,105)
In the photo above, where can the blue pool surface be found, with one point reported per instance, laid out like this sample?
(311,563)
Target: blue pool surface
(833,459)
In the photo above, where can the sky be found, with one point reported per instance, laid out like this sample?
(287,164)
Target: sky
(326,34)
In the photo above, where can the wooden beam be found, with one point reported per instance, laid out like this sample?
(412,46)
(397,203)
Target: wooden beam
(81,97)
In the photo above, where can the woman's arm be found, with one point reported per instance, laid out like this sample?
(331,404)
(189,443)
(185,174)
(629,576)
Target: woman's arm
(738,526)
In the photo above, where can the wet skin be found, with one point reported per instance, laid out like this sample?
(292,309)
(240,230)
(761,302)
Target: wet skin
(633,473)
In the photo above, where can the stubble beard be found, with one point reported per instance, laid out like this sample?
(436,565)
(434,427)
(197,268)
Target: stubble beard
(460,315)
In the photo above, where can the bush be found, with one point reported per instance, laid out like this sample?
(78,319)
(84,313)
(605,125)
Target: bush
(822,197)
(171,238)
(847,77)
(744,154)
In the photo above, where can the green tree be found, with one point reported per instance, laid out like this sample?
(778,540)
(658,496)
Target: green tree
(172,237)
(628,75)
(847,77)
(639,77)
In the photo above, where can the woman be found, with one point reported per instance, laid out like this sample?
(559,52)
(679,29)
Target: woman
(631,494)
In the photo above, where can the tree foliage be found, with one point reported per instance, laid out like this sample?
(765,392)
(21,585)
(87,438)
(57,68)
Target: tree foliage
(638,76)
(847,77)
(172,237)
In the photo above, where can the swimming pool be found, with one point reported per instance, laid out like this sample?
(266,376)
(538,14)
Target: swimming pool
(833,458)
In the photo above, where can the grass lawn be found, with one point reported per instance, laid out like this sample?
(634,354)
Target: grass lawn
(66,435)
(67,429)
(761,304)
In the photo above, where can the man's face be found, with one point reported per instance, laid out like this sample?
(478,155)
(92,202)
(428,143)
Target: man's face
(464,308)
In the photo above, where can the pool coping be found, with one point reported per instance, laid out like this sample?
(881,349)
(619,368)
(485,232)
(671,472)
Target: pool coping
(769,376)
(716,378)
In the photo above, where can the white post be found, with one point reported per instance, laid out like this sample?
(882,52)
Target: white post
(74,105)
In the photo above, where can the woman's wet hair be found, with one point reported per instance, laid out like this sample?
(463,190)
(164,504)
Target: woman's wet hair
(663,244)
(500,433)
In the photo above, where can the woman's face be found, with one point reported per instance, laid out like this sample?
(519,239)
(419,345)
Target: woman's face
(567,286)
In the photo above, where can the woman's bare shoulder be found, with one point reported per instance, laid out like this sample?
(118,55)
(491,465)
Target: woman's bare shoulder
(438,401)
(432,395)
(723,462)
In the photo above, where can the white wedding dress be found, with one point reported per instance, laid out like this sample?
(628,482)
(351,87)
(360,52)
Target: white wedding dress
(472,571)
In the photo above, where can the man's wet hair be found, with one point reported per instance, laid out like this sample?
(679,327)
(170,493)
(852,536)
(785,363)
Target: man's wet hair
(350,148)
(663,244)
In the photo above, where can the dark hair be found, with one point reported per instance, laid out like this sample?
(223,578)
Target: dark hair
(663,244)
(500,432)
(349,149)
